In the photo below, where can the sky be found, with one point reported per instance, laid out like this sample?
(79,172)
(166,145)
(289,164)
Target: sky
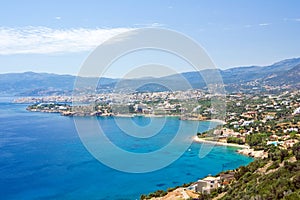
(58,36)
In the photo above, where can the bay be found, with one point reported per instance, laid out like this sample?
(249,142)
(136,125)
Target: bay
(42,157)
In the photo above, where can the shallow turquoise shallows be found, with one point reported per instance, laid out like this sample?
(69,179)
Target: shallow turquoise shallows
(42,157)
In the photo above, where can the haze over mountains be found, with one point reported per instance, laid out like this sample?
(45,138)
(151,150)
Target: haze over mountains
(278,76)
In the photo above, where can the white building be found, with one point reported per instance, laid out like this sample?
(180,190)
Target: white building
(207,184)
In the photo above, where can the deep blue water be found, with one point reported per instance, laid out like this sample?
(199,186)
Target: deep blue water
(42,157)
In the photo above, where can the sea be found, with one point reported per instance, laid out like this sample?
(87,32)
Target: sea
(42,156)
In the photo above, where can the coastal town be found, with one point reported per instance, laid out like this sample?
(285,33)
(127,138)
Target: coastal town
(255,124)
(251,120)
(183,104)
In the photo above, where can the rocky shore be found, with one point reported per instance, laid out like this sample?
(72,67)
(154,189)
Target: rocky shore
(253,153)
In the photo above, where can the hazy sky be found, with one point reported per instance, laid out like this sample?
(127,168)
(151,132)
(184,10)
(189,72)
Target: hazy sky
(57,36)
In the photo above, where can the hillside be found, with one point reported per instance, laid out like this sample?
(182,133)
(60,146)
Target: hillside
(275,178)
(289,77)
(280,75)
(39,84)
(272,178)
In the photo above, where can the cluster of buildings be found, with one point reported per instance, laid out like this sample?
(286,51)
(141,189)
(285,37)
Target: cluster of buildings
(117,97)
(245,113)
(276,117)
(156,103)
(253,113)
(209,183)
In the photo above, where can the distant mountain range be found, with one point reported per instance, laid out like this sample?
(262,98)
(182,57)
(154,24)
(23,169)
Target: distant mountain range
(278,76)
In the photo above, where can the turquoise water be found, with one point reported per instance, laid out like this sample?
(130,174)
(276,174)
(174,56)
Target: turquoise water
(42,157)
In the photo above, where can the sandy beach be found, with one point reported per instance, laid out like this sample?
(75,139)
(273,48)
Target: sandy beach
(244,149)
(216,120)
(200,140)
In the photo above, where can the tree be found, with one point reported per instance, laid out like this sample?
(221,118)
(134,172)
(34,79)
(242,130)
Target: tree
(296,181)
(241,171)
(296,150)
(235,140)
(293,135)
(256,139)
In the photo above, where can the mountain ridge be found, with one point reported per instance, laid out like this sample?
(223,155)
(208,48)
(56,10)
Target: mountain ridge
(235,79)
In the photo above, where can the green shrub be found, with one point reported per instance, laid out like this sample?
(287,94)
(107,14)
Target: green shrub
(274,165)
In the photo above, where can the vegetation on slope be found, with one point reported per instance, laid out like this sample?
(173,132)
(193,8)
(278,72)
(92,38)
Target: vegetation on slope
(277,177)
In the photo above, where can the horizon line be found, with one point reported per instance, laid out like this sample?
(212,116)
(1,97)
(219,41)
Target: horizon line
(182,72)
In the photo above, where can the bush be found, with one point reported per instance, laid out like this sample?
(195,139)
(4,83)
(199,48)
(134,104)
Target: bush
(256,139)
(296,150)
(274,165)
(296,181)
(292,196)
(241,171)
(235,140)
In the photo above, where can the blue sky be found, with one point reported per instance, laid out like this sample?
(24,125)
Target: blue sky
(55,36)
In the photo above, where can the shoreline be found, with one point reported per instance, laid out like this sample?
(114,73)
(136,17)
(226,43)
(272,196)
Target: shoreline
(78,114)
(183,192)
(243,149)
(199,140)
(144,115)
(215,120)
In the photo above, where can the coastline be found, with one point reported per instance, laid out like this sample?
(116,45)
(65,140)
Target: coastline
(243,149)
(83,114)
(215,120)
(143,115)
(174,116)
(185,192)
(199,140)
